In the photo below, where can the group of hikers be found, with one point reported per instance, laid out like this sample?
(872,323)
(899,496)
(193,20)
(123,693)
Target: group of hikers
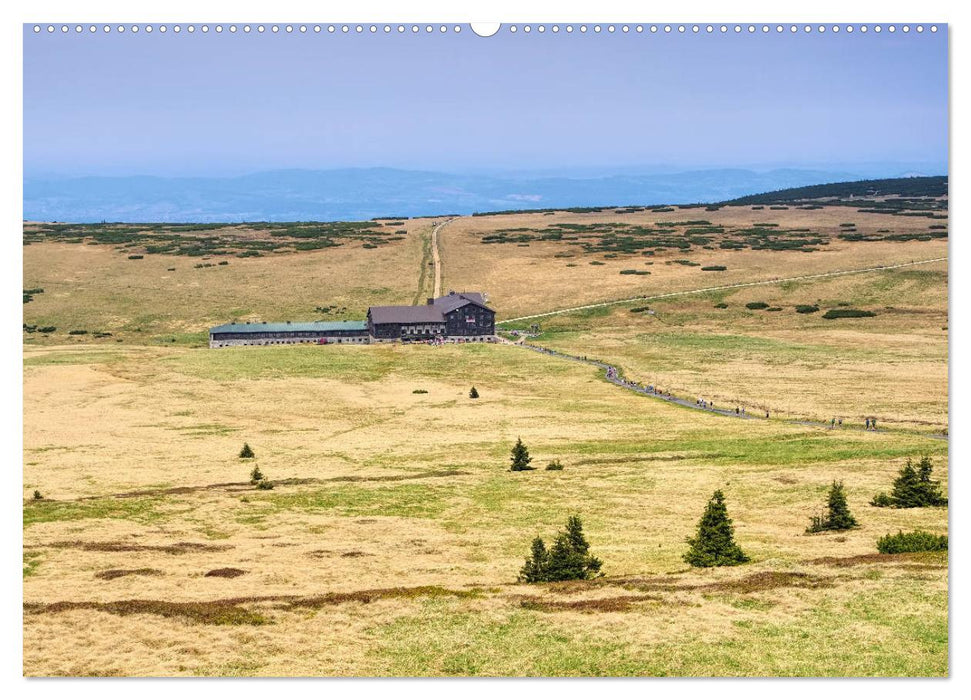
(613,375)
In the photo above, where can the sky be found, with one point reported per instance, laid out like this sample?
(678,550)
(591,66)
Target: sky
(227,104)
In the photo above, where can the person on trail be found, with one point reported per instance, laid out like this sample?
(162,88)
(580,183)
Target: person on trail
(839,422)
(736,410)
(873,424)
(867,424)
(766,413)
(832,423)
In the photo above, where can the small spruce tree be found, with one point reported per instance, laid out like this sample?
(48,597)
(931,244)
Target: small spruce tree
(256,476)
(37,496)
(473,394)
(554,466)
(246,452)
(520,457)
(838,516)
(714,545)
(534,570)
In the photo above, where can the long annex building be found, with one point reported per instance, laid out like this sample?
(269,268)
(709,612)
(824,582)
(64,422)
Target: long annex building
(462,316)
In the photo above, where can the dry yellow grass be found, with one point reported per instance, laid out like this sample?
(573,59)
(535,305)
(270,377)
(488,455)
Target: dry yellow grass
(98,289)
(527,280)
(393,490)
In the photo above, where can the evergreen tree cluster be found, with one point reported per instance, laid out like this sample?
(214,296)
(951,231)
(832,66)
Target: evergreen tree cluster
(473,393)
(913,488)
(246,452)
(569,558)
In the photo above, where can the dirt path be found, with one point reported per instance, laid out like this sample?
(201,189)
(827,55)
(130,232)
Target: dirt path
(702,290)
(437,259)
(613,375)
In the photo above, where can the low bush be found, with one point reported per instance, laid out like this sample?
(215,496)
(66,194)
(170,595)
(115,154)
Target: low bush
(806,308)
(848,313)
(554,466)
(264,485)
(916,541)
(419,391)
(721,305)
(136,257)
(714,268)
(756,305)
(77,332)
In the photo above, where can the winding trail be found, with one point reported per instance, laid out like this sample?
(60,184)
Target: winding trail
(613,375)
(702,290)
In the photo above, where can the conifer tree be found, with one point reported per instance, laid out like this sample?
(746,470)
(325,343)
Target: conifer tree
(473,394)
(714,545)
(534,569)
(520,457)
(569,558)
(838,516)
(246,452)
(256,475)
(913,488)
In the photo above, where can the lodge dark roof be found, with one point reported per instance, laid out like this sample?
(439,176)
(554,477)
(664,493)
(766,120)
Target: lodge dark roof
(406,314)
(433,312)
(454,300)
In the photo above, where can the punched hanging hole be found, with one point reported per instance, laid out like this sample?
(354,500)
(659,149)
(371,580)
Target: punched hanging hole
(485,29)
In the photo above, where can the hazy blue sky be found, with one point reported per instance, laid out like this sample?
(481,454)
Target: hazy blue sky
(234,103)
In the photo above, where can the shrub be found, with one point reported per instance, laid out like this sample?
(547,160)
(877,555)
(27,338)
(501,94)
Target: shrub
(568,560)
(554,466)
(916,541)
(264,485)
(256,476)
(721,305)
(838,516)
(246,452)
(47,329)
(806,308)
(913,488)
(37,496)
(847,313)
(714,268)
(714,545)
(77,332)
(756,305)
(520,457)
(473,394)
(135,257)
(419,391)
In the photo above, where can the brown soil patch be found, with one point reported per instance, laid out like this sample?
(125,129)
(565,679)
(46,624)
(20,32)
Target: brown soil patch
(228,572)
(111,574)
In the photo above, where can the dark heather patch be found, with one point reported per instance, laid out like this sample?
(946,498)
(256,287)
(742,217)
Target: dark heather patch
(228,572)
(354,554)
(230,611)
(176,548)
(111,574)
(767,581)
(918,560)
(614,604)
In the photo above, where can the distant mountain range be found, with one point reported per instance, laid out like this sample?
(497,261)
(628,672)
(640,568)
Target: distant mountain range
(364,193)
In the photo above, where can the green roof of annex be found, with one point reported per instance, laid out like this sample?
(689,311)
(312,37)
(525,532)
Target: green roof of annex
(311,327)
